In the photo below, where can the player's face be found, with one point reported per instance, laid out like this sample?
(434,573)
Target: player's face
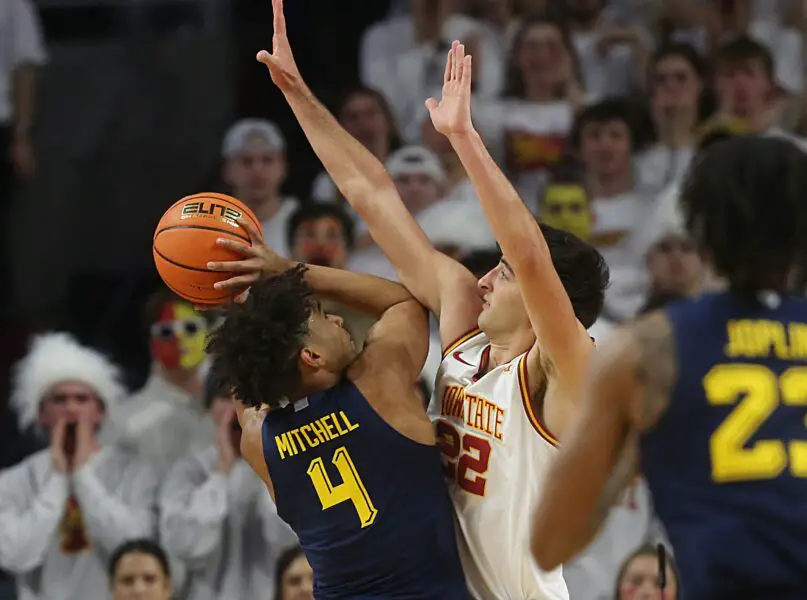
(328,342)
(676,85)
(257,172)
(674,265)
(363,117)
(743,88)
(605,147)
(73,401)
(417,190)
(503,310)
(298,581)
(640,580)
(139,576)
(321,242)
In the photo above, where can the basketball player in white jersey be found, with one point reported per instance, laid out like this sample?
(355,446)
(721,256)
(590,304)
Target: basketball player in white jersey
(516,342)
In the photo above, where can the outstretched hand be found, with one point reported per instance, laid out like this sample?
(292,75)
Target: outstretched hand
(452,115)
(280,62)
(259,260)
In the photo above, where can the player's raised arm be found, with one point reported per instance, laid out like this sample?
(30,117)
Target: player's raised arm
(627,390)
(562,339)
(439,283)
(364,293)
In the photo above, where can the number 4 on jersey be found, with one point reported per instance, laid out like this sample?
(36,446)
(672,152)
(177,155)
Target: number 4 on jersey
(350,490)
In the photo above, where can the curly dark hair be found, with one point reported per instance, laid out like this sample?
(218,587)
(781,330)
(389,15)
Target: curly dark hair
(255,350)
(744,204)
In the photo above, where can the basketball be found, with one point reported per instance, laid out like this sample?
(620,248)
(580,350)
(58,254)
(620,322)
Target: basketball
(185,241)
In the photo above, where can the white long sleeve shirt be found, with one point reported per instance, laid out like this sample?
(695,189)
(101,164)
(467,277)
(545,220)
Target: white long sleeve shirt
(57,531)
(224,528)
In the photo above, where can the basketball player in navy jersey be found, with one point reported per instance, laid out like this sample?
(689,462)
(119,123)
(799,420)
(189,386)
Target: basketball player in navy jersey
(341,438)
(708,398)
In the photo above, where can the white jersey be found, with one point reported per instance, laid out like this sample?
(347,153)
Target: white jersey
(496,453)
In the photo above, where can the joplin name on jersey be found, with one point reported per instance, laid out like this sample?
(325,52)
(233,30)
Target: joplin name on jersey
(496,453)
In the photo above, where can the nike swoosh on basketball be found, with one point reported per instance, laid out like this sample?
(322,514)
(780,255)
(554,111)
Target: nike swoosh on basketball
(458,357)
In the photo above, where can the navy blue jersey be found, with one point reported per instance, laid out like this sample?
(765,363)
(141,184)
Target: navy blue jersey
(369,505)
(727,463)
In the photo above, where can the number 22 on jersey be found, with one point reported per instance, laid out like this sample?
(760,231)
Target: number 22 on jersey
(350,490)
(467,457)
(764,392)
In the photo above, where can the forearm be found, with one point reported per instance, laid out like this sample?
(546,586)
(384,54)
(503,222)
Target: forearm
(510,219)
(365,293)
(23,98)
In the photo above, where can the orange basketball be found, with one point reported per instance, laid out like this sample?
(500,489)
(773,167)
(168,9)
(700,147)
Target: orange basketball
(185,241)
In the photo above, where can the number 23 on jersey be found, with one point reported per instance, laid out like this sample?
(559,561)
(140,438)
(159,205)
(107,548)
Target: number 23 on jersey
(762,392)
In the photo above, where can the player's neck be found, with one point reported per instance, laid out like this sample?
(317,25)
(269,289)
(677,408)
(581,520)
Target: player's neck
(506,347)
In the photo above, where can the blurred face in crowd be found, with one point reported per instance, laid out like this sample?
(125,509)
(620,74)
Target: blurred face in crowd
(566,207)
(256,172)
(503,310)
(743,88)
(542,56)
(222,410)
(139,576)
(584,10)
(73,401)
(321,242)
(605,147)
(676,85)
(298,581)
(178,336)
(364,118)
(417,190)
(640,580)
(674,265)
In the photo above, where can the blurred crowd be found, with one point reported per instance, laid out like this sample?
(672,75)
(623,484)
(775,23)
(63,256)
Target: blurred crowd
(594,108)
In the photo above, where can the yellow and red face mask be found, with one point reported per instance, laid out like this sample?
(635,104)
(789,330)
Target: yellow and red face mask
(566,207)
(178,337)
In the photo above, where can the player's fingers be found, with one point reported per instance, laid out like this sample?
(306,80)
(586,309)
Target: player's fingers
(467,71)
(254,235)
(431,104)
(449,58)
(454,60)
(278,22)
(237,247)
(242,297)
(460,60)
(235,266)
(241,281)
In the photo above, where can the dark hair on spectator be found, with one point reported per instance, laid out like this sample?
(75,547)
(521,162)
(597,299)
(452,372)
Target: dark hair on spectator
(314,211)
(139,546)
(363,90)
(514,85)
(685,51)
(256,349)
(743,49)
(712,136)
(284,561)
(480,262)
(610,109)
(744,204)
(648,550)
(581,269)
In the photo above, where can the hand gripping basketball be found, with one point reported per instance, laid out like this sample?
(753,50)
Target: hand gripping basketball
(259,261)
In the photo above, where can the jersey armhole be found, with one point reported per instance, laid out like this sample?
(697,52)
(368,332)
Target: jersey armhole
(460,341)
(526,400)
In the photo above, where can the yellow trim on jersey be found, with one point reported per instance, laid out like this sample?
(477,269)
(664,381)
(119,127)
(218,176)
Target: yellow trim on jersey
(524,386)
(461,340)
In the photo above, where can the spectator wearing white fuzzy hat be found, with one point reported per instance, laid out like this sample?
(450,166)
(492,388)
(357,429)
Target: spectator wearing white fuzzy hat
(66,508)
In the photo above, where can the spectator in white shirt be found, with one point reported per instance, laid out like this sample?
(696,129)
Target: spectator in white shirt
(675,267)
(65,509)
(367,116)
(676,84)
(166,418)
(604,136)
(255,167)
(216,517)
(139,570)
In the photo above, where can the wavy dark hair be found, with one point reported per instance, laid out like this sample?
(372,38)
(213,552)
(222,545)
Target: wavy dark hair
(255,351)
(744,205)
(139,546)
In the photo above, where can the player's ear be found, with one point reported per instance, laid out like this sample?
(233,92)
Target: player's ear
(310,358)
